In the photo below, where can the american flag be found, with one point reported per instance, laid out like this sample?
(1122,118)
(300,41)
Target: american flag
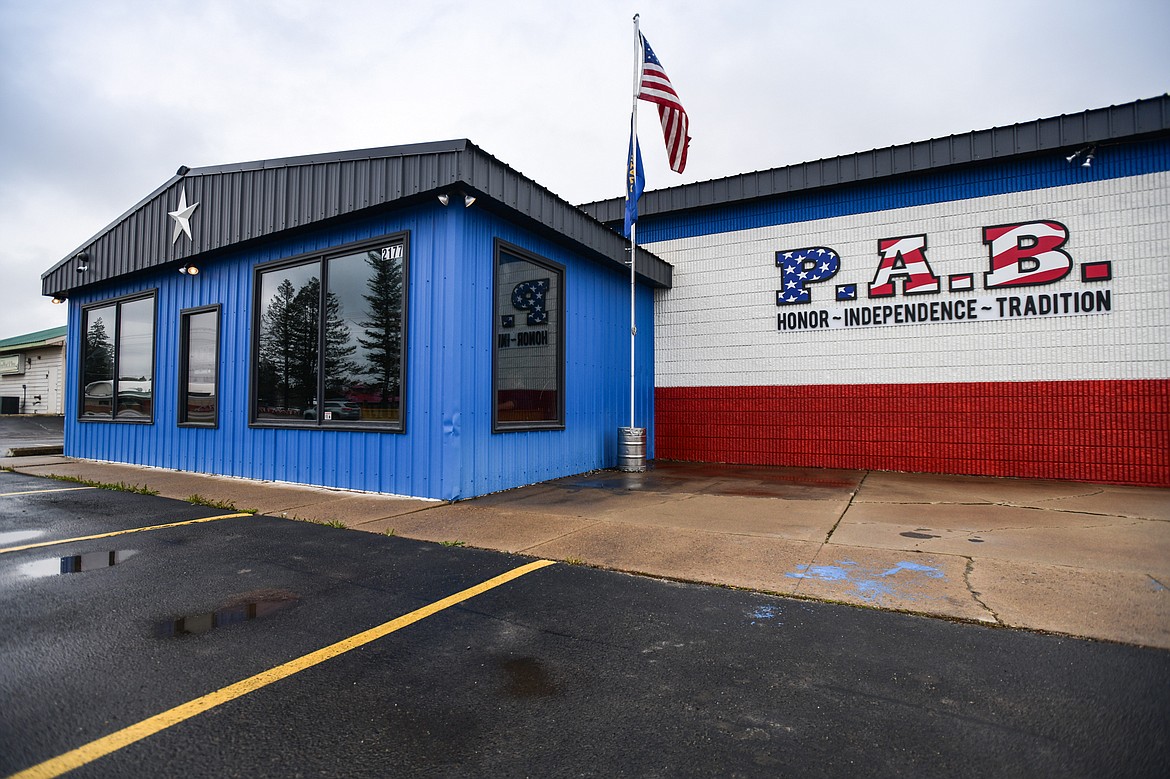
(656,88)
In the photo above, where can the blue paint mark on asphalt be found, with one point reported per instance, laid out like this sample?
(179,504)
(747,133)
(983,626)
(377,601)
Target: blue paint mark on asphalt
(871,584)
(766,614)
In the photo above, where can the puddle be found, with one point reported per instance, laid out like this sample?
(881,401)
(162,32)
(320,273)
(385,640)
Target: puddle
(79,563)
(527,678)
(16,536)
(244,610)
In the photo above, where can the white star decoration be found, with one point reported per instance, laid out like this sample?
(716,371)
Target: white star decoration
(182,217)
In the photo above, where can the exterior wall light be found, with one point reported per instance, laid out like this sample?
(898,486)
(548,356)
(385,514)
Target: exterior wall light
(58,299)
(445,199)
(189,269)
(82,261)
(1088,151)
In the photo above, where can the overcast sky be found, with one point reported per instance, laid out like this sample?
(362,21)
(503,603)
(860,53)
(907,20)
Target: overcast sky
(100,102)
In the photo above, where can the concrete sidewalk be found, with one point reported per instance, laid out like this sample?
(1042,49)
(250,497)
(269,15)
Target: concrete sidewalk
(1080,559)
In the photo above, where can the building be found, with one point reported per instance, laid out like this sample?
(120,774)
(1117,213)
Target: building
(416,320)
(995,303)
(424,320)
(31,373)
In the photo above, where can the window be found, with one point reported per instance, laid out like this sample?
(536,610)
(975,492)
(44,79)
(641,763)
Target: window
(199,367)
(331,339)
(528,369)
(117,360)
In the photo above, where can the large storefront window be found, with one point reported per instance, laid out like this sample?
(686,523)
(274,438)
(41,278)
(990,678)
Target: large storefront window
(528,368)
(117,360)
(332,334)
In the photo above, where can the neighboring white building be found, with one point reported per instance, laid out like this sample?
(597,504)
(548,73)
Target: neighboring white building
(31,370)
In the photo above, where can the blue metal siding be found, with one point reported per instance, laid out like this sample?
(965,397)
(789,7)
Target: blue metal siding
(922,189)
(448,450)
(596,366)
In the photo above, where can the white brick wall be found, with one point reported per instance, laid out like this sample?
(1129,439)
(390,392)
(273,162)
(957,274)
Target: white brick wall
(717,326)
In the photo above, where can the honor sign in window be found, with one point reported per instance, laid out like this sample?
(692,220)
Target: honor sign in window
(117,360)
(332,334)
(529,342)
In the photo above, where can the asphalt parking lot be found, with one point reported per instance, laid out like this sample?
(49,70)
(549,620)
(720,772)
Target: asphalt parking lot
(221,644)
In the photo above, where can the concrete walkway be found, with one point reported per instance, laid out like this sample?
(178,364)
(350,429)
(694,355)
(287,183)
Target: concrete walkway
(1081,559)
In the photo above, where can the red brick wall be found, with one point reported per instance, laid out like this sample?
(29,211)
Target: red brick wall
(1102,431)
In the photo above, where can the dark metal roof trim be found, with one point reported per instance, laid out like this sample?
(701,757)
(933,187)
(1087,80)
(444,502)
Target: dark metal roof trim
(1129,121)
(248,201)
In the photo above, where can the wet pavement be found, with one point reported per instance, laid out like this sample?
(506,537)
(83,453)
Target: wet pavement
(35,434)
(241,646)
(1080,559)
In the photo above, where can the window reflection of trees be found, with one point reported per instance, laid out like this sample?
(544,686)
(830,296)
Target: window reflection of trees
(288,347)
(98,370)
(117,361)
(360,367)
(382,328)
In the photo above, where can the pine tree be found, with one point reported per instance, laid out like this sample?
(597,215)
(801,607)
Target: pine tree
(339,368)
(99,356)
(289,345)
(282,341)
(383,328)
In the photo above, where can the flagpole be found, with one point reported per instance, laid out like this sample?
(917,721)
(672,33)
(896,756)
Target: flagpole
(633,225)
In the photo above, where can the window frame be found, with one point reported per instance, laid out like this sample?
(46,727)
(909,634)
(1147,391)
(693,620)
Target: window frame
(118,302)
(321,259)
(185,363)
(503,247)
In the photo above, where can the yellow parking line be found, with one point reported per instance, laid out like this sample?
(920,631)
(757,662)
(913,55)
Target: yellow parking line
(38,492)
(148,727)
(122,532)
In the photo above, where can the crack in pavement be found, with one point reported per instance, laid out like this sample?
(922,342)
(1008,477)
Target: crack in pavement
(975,595)
(1129,522)
(1003,504)
(558,538)
(844,511)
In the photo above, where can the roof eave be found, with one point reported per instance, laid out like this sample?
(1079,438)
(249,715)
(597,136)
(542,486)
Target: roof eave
(137,241)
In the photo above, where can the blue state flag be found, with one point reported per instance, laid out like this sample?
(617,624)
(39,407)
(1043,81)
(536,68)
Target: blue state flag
(635,182)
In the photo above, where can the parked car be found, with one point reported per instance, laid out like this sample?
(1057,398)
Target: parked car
(336,409)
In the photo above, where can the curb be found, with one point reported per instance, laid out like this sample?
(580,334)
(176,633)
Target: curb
(34,451)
